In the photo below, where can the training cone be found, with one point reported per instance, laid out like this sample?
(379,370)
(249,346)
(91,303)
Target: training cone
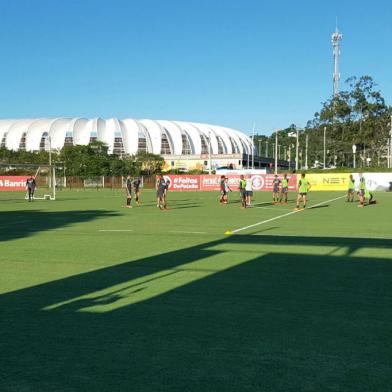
(228,232)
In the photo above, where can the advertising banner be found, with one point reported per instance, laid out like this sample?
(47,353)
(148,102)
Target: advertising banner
(183,182)
(260,182)
(375,181)
(13,183)
(328,181)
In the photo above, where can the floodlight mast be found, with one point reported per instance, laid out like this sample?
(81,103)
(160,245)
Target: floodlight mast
(336,38)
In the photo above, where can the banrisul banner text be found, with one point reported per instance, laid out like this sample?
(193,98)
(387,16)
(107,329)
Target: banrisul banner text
(12,183)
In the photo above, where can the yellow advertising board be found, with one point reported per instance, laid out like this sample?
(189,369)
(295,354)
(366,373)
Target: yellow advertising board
(328,181)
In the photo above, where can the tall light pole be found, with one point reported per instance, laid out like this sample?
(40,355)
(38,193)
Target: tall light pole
(306,152)
(266,149)
(325,130)
(276,152)
(354,152)
(253,146)
(50,160)
(279,151)
(336,38)
(209,153)
(273,150)
(296,151)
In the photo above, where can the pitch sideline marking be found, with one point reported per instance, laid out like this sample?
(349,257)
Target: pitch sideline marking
(280,216)
(114,230)
(187,232)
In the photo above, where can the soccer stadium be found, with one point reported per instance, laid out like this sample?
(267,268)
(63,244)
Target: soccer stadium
(182,144)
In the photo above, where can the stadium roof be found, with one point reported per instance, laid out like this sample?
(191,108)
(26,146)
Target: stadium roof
(126,136)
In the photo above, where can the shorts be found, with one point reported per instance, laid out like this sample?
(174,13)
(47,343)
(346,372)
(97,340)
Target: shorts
(276,190)
(350,191)
(242,192)
(160,193)
(361,192)
(285,190)
(303,193)
(223,193)
(248,193)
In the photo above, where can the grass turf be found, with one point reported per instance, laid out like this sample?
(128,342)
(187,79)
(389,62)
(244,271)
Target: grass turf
(97,297)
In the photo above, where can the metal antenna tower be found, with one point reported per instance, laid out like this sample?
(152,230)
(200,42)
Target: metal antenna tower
(336,38)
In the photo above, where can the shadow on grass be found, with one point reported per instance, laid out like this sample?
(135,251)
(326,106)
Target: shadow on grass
(22,223)
(241,317)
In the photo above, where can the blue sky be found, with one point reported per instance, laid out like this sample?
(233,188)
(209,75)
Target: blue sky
(224,62)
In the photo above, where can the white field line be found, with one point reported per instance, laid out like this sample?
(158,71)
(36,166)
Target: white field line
(114,230)
(284,215)
(272,208)
(187,232)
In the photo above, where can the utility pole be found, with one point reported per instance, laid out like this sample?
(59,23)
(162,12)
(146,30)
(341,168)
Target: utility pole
(306,152)
(325,130)
(209,153)
(276,152)
(253,146)
(50,160)
(296,151)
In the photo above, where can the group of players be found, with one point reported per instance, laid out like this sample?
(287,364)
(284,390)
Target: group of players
(280,191)
(133,188)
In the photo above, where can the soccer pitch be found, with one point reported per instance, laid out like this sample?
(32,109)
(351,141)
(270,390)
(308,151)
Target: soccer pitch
(97,297)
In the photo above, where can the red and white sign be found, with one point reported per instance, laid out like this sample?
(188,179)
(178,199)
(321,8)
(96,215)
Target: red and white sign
(183,183)
(13,183)
(260,182)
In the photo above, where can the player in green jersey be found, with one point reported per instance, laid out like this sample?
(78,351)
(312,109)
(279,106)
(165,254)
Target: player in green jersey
(285,189)
(243,191)
(303,189)
(351,189)
(362,190)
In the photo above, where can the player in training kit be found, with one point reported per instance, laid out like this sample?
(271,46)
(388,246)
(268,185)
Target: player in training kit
(243,191)
(128,189)
(248,192)
(370,197)
(276,188)
(222,190)
(285,189)
(351,189)
(161,188)
(303,189)
(167,184)
(136,183)
(362,190)
(31,187)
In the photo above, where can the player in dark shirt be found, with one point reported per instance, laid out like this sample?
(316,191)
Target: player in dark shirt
(31,187)
(136,183)
(160,187)
(276,189)
(128,189)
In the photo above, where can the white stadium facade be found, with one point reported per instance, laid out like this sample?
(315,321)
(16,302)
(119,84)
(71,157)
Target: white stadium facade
(126,136)
(182,144)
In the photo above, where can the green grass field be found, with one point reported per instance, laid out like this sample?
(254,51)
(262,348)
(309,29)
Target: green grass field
(97,297)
